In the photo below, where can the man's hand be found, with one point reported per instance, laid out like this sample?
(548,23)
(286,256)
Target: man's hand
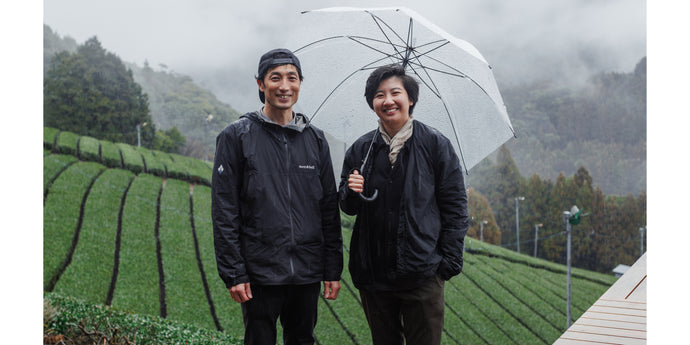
(241,292)
(330,289)
(356,182)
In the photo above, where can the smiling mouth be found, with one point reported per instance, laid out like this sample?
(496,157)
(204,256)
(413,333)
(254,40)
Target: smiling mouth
(390,110)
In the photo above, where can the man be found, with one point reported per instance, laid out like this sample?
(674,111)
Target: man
(409,239)
(276,222)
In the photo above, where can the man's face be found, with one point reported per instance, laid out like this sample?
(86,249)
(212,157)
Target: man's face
(392,104)
(280,87)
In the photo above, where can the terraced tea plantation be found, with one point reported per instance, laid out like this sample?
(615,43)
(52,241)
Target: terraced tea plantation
(131,228)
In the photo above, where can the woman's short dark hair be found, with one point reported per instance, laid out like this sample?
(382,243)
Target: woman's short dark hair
(384,72)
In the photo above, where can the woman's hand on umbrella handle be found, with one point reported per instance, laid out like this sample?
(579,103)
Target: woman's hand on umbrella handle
(356,182)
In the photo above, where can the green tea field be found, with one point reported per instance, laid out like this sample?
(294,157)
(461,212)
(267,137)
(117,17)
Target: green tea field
(131,228)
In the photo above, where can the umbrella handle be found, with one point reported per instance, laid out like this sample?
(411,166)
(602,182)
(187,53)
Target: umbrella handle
(370,198)
(361,169)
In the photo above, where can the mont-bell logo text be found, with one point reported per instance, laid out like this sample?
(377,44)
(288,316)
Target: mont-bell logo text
(310,167)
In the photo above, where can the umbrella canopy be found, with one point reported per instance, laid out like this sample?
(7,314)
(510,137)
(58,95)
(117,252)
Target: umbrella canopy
(339,47)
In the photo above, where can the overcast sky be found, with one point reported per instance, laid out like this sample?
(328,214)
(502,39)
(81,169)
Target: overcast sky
(226,38)
(218,43)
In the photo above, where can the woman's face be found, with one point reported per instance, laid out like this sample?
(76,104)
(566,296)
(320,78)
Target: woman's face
(392,104)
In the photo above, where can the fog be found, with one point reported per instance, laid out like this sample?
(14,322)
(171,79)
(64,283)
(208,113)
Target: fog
(218,43)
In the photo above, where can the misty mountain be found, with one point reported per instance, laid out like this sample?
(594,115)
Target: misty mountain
(53,43)
(174,100)
(600,124)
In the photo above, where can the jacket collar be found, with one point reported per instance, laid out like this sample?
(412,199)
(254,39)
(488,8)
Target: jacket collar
(298,123)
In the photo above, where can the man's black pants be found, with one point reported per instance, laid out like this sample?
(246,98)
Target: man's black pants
(415,315)
(295,304)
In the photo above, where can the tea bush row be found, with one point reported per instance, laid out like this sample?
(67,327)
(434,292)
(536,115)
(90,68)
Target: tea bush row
(61,214)
(68,313)
(121,155)
(137,282)
(90,273)
(488,303)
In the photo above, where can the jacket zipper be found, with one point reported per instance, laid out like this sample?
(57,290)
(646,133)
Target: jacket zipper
(289,191)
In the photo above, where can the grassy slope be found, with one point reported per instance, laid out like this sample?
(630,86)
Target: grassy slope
(501,297)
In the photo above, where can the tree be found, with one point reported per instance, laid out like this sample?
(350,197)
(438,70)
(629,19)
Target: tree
(600,218)
(582,239)
(503,186)
(53,44)
(537,211)
(554,248)
(170,140)
(90,92)
(480,210)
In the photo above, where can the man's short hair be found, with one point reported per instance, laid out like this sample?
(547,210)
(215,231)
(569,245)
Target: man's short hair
(384,72)
(273,58)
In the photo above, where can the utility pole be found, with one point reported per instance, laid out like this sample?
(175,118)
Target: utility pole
(206,124)
(139,125)
(517,221)
(571,217)
(536,237)
(481,230)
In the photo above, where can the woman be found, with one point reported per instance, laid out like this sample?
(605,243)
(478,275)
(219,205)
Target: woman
(409,239)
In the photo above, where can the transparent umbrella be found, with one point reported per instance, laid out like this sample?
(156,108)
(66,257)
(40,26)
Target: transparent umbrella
(339,47)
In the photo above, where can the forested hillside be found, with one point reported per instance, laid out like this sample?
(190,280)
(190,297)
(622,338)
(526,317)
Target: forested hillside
(92,93)
(609,235)
(53,44)
(176,104)
(177,101)
(600,125)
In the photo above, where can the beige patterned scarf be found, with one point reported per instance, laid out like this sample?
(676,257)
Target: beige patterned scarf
(398,140)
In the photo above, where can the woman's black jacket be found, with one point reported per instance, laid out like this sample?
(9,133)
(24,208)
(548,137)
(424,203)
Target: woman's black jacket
(433,217)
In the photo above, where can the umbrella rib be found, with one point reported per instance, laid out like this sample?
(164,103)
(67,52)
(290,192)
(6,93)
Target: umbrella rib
(363,68)
(459,73)
(358,39)
(437,92)
(443,43)
(419,54)
(435,89)
(408,48)
(354,38)
(377,20)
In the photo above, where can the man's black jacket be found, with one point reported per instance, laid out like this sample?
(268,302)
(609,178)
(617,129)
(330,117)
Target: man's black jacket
(274,204)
